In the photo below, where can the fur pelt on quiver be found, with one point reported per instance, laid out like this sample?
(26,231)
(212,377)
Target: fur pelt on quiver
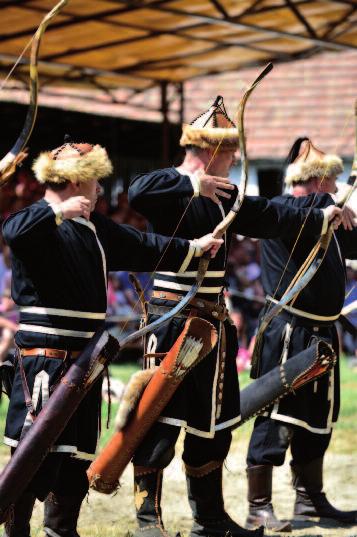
(132,395)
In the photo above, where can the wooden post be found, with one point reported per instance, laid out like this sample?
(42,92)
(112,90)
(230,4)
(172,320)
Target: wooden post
(165,132)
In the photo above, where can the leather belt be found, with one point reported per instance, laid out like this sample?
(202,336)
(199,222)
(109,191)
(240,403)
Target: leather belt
(211,309)
(50,353)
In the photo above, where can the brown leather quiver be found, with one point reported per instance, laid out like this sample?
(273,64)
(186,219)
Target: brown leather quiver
(194,343)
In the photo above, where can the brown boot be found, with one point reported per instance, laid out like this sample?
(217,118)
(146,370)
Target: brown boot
(204,487)
(310,500)
(261,512)
(18,523)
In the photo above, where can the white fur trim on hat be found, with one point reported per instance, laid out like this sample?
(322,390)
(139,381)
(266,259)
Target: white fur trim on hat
(209,137)
(303,171)
(92,165)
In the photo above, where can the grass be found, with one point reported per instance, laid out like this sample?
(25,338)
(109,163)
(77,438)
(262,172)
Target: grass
(345,433)
(344,438)
(108,516)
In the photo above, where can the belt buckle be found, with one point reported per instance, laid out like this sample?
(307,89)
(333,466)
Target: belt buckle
(200,304)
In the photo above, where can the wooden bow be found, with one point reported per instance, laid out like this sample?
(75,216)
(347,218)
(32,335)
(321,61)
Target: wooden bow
(17,154)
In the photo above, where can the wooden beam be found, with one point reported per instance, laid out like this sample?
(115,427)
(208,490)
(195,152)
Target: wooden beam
(77,19)
(151,34)
(221,9)
(310,30)
(251,10)
(344,19)
(165,132)
(235,22)
(66,68)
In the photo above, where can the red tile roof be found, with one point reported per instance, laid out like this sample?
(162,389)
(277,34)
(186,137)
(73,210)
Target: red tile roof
(313,97)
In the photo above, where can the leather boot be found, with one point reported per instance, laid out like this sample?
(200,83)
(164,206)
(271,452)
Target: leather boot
(147,493)
(261,512)
(204,487)
(18,523)
(310,500)
(61,515)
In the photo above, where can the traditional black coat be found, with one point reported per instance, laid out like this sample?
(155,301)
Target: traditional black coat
(59,282)
(208,399)
(314,407)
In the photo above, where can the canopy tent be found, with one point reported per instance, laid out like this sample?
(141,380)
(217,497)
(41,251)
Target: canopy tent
(116,51)
(107,44)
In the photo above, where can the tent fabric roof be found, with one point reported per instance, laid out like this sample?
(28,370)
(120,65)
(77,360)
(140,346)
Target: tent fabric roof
(139,43)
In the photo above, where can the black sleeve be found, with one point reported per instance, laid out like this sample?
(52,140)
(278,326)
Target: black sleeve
(270,219)
(30,224)
(158,190)
(129,249)
(348,242)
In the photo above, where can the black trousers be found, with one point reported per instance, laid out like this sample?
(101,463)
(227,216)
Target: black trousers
(61,474)
(158,448)
(271,438)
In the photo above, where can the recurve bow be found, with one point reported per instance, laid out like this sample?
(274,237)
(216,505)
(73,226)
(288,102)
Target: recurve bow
(16,154)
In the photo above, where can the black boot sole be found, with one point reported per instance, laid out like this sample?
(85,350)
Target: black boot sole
(324,519)
(284,527)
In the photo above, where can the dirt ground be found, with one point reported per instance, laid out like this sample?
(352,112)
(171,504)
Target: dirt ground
(113,516)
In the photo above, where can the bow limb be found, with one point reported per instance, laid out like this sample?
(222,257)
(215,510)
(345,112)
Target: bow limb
(219,231)
(353,174)
(16,154)
(222,227)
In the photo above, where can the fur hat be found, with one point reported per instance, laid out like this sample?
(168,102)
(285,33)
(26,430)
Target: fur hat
(211,128)
(311,162)
(74,162)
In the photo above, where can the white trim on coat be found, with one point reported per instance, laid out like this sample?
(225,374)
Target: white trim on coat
(182,287)
(62,312)
(54,331)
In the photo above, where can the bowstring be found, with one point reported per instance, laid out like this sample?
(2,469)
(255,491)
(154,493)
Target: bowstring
(350,291)
(141,295)
(4,82)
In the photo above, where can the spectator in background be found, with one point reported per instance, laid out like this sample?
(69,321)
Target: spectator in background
(243,277)
(8,309)
(348,340)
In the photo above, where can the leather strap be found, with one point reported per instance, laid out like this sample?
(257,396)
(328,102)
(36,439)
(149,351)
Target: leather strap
(306,314)
(50,353)
(211,309)
(27,395)
(201,471)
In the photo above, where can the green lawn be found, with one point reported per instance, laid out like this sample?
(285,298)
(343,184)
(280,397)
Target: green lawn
(112,516)
(345,436)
